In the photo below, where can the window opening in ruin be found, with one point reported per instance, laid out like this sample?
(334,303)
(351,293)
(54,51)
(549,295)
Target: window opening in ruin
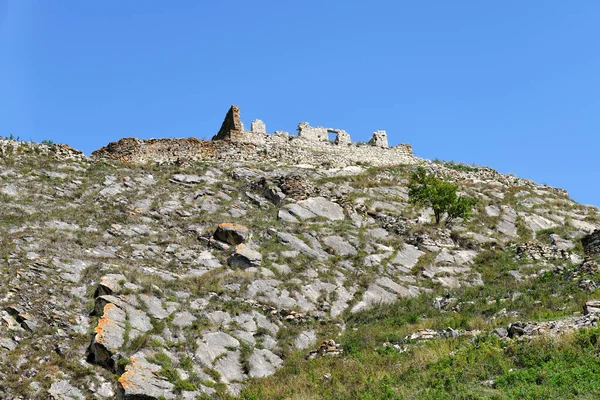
(332,136)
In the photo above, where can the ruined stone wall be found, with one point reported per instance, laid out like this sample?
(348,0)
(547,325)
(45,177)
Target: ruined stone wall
(274,148)
(591,243)
(232,142)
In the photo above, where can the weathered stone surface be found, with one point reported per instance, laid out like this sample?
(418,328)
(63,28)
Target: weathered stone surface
(408,256)
(214,344)
(298,211)
(374,295)
(230,367)
(187,179)
(154,305)
(323,208)
(232,125)
(500,332)
(141,380)
(245,257)
(183,319)
(258,126)
(299,245)
(392,286)
(340,246)
(63,390)
(231,233)
(305,340)
(109,284)
(537,222)
(263,363)
(274,194)
(379,139)
(108,336)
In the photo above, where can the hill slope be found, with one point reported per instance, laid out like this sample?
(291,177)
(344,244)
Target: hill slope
(218,278)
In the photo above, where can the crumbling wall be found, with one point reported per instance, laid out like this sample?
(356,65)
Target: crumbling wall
(273,148)
(591,243)
(318,134)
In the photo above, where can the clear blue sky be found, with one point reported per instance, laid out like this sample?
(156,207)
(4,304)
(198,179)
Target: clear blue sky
(514,85)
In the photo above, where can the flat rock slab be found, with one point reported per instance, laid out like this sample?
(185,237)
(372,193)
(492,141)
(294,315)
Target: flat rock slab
(186,179)
(154,306)
(339,245)
(492,211)
(536,222)
(305,340)
(263,363)
(63,390)
(214,344)
(408,256)
(323,208)
(230,367)
(300,245)
(392,286)
(183,319)
(374,295)
(296,211)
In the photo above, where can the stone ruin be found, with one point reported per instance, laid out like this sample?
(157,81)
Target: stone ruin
(591,243)
(312,145)
(233,129)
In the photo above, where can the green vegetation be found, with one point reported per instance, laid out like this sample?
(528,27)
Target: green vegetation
(465,367)
(428,190)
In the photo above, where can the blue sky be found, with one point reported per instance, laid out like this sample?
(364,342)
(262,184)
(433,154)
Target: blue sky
(514,85)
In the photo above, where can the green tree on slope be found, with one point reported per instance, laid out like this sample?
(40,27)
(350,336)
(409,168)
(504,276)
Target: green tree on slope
(428,190)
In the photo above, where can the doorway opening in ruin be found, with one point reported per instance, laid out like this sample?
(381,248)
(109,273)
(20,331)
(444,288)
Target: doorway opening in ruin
(332,136)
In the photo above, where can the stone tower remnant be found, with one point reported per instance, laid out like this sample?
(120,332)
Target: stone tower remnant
(258,126)
(379,139)
(232,126)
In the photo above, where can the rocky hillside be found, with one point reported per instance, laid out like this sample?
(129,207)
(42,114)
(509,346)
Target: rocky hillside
(269,280)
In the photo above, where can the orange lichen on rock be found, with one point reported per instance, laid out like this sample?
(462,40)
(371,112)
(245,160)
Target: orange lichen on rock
(233,226)
(103,322)
(129,372)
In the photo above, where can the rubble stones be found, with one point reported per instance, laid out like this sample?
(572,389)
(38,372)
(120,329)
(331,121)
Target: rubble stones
(536,251)
(592,307)
(327,349)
